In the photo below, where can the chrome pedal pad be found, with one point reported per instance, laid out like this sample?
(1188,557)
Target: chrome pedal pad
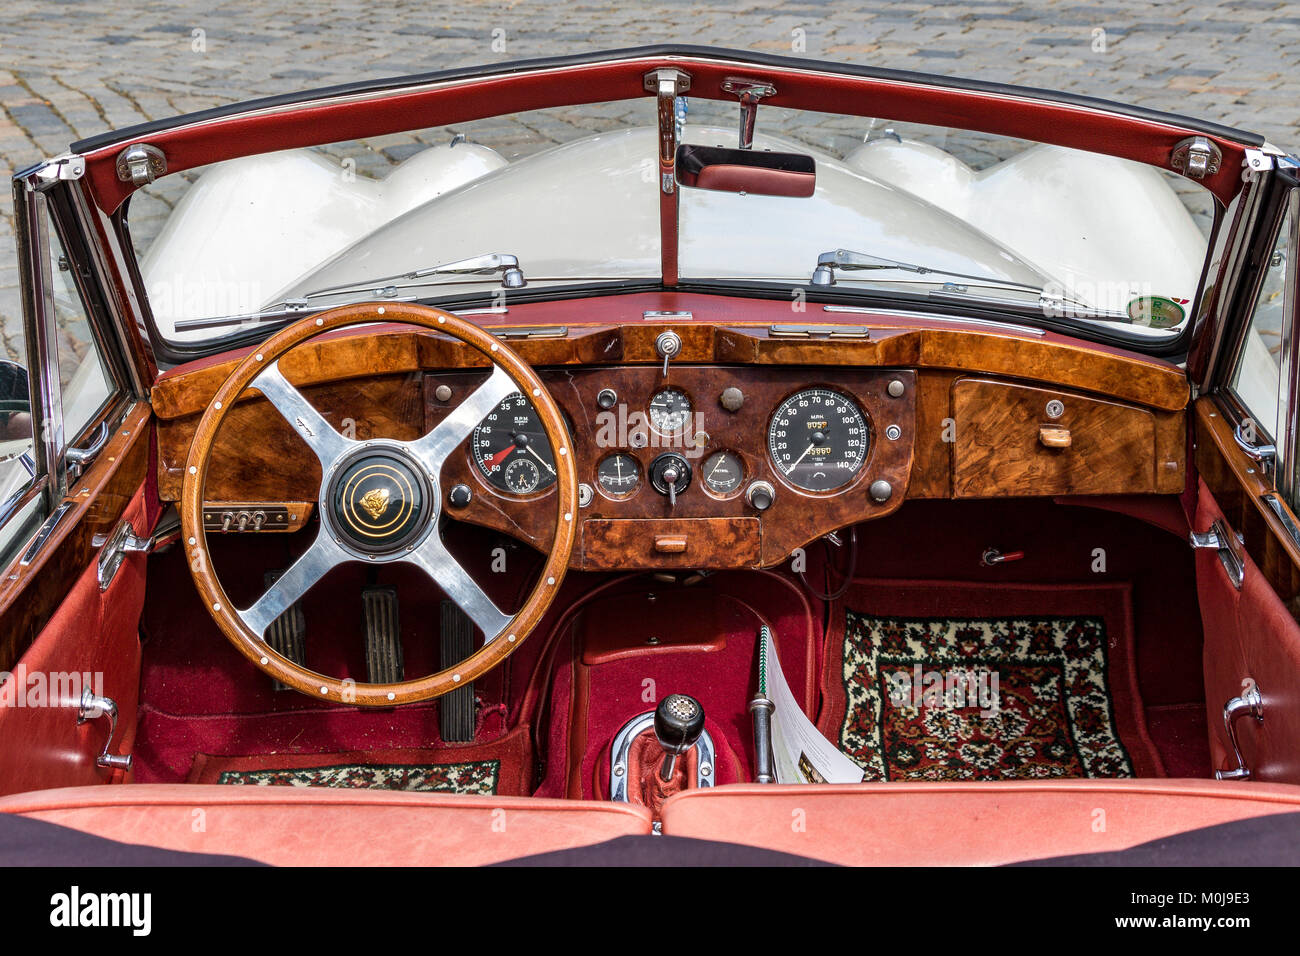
(287,634)
(383,635)
(456,717)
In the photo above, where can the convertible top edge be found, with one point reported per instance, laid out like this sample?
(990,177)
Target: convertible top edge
(666,52)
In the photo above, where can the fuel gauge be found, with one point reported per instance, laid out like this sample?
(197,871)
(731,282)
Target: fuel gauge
(619,475)
(722,473)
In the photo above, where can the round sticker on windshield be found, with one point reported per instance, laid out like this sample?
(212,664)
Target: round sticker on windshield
(1155,312)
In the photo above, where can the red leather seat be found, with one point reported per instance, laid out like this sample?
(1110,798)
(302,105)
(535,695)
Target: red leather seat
(901,824)
(289,826)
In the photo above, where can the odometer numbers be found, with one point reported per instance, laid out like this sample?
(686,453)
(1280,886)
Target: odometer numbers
(818,439)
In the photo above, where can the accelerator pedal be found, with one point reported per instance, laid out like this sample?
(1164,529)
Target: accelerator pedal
(456,717)
(287,634)
(383,635)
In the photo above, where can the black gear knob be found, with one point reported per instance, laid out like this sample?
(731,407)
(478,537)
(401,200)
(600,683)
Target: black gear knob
(679,722)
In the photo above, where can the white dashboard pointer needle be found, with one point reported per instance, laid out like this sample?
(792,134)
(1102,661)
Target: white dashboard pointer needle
(801,458)
(533,452)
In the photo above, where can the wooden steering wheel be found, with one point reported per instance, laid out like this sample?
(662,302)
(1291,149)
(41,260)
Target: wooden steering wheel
(379,503)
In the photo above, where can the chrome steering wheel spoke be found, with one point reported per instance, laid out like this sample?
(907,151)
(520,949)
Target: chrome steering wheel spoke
(432,450)
(315,563)
(444,570)
(326,442)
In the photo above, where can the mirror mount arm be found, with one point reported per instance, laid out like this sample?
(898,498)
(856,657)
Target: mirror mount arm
(750,93)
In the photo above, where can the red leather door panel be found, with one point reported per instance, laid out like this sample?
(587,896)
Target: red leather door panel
(1249,635)
(90,633)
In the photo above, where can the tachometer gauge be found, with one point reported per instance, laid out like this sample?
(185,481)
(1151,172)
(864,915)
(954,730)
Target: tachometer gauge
(818,439)
(669,411)
(619,475)
(722,473)
(511,449)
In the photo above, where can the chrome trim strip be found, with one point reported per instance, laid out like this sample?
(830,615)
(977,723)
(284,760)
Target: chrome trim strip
(30,207)
(123,325)
(1284,516)
(43,534)
(950,320)
(1284,464)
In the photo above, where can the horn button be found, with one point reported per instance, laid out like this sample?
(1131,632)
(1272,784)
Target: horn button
(380,502)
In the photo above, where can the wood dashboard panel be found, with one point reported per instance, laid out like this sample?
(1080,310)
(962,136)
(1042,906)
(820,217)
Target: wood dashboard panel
(1010,439)
(968,423)
(796,516)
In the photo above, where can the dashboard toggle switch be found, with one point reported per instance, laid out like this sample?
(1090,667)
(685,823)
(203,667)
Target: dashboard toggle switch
(668,345)
(670,475)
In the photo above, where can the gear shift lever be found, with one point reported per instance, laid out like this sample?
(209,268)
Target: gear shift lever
(679,722)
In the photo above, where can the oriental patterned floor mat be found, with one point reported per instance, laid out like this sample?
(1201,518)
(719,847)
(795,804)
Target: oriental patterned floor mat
(496,768)
(950,681)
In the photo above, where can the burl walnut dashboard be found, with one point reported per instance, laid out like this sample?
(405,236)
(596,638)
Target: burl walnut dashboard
(753,443)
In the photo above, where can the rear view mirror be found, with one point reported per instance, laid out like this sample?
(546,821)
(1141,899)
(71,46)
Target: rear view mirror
(759,172)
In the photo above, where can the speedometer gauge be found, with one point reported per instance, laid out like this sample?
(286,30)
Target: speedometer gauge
(511,449)
(818,439)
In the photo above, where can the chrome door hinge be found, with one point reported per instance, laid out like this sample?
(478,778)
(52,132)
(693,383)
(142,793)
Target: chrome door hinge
(1223,541)
(140,164)
(1196,158)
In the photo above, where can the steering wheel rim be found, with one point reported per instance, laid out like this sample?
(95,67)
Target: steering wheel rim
(340,537)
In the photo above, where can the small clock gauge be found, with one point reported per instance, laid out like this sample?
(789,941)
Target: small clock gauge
(670,410)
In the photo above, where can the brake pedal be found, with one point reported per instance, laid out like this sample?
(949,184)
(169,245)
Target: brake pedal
(383,635)
(456,716)
(287,634)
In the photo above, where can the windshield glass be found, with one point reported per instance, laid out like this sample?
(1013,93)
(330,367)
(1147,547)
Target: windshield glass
(568,196)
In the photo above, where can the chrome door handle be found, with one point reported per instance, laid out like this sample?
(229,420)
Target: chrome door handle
(1265,455)
(92,707)
(1248,704)
(79,458)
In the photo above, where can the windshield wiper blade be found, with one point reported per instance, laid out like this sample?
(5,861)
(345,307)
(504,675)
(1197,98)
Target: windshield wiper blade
(1053,303)
(512,277)
(849,261)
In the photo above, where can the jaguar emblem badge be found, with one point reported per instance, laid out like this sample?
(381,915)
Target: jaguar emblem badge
(375,501)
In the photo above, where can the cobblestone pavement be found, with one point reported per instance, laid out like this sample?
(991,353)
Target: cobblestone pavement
(71,69)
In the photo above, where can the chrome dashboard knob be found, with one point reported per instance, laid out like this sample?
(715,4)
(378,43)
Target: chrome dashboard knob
(760,495)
